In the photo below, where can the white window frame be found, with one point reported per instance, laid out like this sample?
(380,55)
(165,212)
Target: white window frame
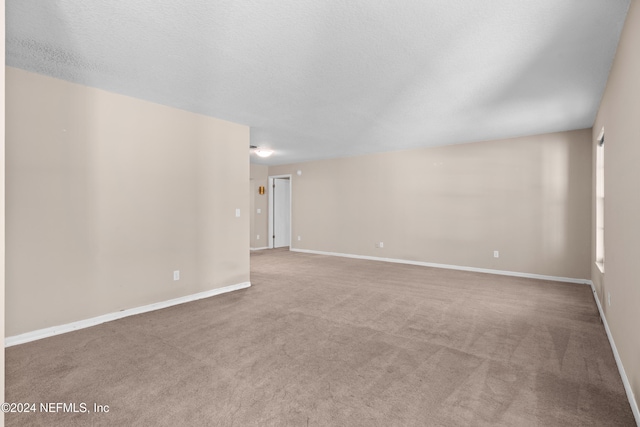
(600,201)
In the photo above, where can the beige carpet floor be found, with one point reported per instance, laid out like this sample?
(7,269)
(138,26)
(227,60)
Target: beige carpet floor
(326,341)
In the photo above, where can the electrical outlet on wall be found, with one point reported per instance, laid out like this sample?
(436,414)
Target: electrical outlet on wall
(176,275)
(258,237)
(299,238)
(496,254)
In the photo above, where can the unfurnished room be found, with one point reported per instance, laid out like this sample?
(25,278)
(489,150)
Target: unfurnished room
(308,213)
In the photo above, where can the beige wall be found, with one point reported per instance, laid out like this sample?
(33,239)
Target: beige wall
(528,198)
(2,208)
(619,115)
(107,195)
(259,176)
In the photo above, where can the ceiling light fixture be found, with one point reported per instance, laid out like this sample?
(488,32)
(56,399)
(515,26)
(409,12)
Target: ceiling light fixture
(262,152)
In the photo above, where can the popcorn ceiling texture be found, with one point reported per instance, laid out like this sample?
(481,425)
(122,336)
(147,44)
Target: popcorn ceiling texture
(318,79)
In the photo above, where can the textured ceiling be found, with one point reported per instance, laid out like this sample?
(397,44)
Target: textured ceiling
(320,79)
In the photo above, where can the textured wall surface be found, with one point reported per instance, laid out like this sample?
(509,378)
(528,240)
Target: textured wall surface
(619,115)
(107,195)
(319,79)
(529,198)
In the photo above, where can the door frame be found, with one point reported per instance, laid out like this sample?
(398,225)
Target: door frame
(270,208)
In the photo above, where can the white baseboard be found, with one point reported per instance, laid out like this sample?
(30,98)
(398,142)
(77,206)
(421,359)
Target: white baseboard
(623,374)
(258,249)
(450,267)
(81,324)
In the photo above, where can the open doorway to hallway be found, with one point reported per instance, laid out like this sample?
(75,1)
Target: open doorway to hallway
(279,211)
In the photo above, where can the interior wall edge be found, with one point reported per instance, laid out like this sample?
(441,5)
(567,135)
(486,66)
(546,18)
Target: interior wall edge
(2,205)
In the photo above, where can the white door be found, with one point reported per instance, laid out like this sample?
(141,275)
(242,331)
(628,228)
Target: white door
(281,212)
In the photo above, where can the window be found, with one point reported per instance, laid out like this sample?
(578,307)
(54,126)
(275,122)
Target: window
(600,202)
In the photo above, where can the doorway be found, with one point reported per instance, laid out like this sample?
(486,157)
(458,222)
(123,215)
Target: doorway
(280,211)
